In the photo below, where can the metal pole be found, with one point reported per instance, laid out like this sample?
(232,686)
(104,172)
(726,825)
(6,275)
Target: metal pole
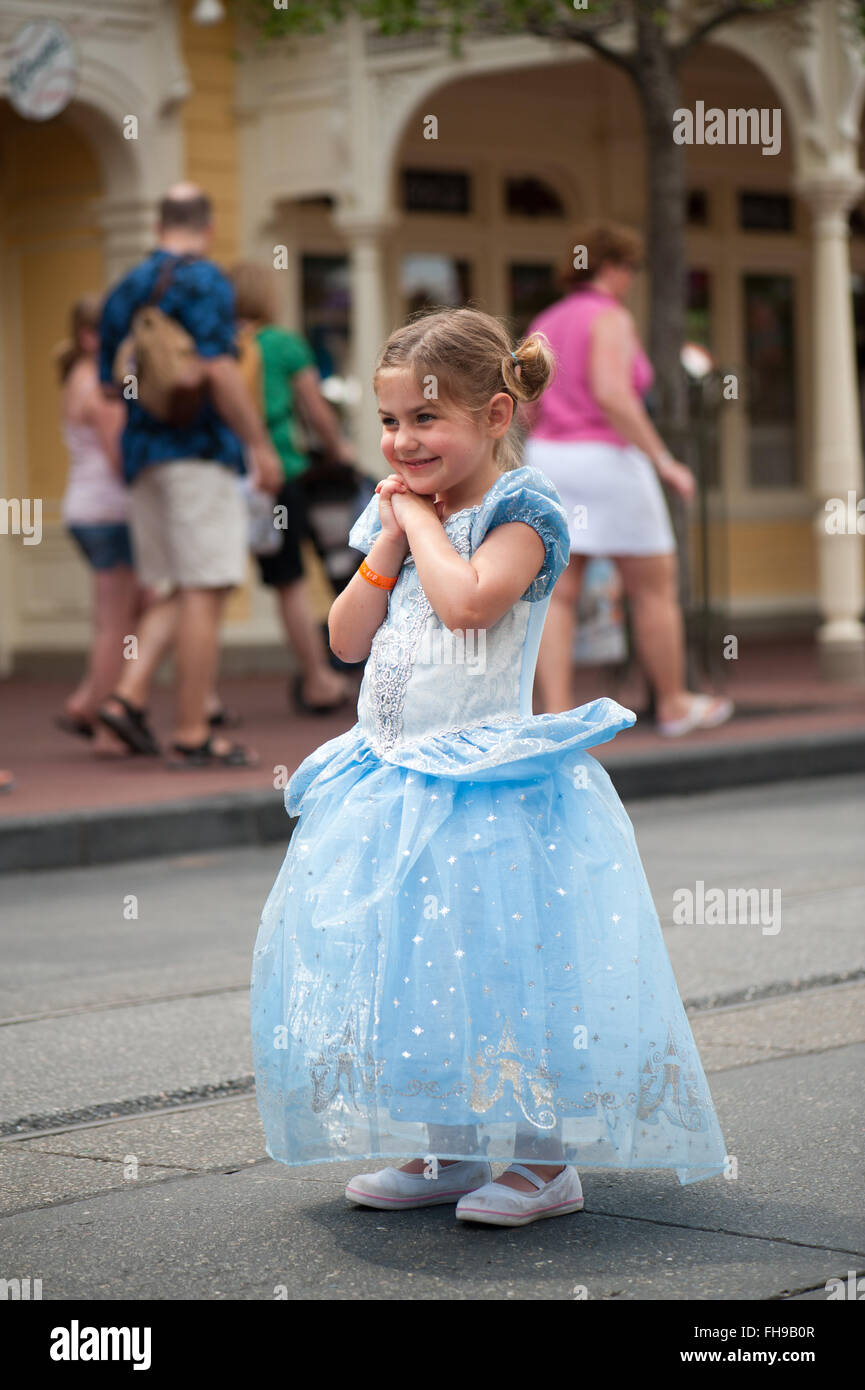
(701,459)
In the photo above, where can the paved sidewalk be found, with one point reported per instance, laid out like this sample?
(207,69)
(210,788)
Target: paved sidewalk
(132,1159)
(69,807)
(211,1217)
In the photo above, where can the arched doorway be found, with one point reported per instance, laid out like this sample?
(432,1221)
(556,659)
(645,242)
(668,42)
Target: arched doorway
(50,253)
(53,191)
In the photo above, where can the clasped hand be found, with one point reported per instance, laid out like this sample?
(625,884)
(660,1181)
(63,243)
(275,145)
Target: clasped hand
(396,501)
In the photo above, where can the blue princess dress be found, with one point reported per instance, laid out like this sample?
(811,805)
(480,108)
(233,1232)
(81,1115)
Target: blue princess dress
(460,954)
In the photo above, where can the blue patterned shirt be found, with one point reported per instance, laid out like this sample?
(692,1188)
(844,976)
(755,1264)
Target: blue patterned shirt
(201,298)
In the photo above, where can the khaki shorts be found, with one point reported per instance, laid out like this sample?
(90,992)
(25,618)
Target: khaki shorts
(189,526)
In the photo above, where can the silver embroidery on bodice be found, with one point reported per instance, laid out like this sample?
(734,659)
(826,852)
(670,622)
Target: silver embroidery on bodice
(420,680)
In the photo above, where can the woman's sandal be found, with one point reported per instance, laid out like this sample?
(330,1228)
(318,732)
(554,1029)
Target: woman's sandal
(131,727)
(704,712)
(304,707)
(205,755)
(224,719)
(81,728)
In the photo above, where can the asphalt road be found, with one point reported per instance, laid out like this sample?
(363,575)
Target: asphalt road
(126,985)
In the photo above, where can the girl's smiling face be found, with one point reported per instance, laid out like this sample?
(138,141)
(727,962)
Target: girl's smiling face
(432,445)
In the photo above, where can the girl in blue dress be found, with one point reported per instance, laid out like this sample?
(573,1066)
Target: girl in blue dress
(460,962)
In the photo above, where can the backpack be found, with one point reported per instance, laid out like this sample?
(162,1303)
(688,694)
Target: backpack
(171,376)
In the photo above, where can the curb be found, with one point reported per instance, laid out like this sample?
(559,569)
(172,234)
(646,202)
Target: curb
(687,771)
(112,834)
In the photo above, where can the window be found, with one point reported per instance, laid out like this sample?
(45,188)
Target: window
(857,287)
(532,197)
(531,287)
(699,330)
(698,208)
(699,308)
(435,190)
(426,280)
(765,212)
(770,355)
(327,311)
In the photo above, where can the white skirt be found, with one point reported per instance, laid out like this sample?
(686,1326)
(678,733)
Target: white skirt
(611,493)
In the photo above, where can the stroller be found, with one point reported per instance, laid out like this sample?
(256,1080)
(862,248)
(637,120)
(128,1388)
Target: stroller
(336,494)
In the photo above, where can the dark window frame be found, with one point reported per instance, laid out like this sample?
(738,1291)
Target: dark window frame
(511,182)
(461,178)
(752,198)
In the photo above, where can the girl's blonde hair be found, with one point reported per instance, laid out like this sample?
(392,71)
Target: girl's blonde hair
(85,313)
(468,356)
(255,294)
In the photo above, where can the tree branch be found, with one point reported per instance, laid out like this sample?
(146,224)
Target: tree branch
(576,35)
(735,9)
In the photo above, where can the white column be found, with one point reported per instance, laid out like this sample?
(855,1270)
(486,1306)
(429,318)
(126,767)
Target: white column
(8,609)
(129,231)
(837,449)
(369,328)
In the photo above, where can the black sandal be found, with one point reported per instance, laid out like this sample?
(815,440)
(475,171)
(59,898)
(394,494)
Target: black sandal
(131,727)
(224,719)
(205,755)
(81,728)
(304,707)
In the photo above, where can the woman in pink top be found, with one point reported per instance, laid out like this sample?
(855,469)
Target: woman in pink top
(591,435)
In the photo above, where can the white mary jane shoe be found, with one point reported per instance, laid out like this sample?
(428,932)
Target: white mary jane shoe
(392,1189)
(498,1205)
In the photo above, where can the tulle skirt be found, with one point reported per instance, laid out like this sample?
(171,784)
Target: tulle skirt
(460,955)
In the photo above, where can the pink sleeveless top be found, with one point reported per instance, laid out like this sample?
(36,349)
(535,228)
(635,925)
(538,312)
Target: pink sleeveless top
(567,410)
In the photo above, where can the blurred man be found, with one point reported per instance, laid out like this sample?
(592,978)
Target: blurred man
(187,516)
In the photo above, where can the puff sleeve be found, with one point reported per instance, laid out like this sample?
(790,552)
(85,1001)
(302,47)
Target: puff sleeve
(526,494)
(367,529)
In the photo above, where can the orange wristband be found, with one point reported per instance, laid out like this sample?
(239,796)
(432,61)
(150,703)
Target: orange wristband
(380,581)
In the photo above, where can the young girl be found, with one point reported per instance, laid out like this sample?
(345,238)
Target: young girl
(460,960)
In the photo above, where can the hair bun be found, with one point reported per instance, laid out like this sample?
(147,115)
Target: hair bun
(529,369)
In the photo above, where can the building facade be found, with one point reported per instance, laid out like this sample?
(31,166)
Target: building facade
(382,174)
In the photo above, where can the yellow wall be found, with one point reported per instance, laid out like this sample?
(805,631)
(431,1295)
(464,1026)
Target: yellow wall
(51,249)
(212,156)
(756,559)
(768,558)
(209,125)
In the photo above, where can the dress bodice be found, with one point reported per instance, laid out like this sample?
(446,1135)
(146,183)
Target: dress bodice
(420,678)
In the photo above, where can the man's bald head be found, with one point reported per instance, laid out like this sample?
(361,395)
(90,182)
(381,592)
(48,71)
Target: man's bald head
(185,206)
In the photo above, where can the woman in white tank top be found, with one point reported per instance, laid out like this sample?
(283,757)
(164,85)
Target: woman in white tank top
(95,513)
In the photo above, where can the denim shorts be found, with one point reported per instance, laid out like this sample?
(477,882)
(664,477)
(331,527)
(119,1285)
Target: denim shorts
(104,546)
